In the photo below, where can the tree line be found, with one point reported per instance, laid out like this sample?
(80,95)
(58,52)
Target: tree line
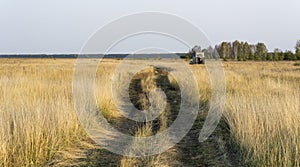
(243,51)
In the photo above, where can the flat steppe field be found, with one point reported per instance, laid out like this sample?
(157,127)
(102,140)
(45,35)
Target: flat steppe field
(39,126)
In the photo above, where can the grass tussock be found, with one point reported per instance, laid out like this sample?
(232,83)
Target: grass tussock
(297,64)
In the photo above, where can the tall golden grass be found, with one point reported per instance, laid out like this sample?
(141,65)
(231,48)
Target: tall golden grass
(263,111)
(38,124)
(36,112)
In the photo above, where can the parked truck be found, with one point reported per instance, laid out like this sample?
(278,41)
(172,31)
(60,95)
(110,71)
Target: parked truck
(197,56)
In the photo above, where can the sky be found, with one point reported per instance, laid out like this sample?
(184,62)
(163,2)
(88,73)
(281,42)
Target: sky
(64,26)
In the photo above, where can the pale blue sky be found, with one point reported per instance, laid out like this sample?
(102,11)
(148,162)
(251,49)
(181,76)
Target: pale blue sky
(63,26)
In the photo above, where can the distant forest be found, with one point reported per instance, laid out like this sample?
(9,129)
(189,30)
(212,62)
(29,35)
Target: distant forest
(240,51)
(243,51)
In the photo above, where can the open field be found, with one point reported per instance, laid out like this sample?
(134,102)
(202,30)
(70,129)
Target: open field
(39,127)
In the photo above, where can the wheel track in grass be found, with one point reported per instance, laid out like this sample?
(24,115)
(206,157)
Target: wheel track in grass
(218,150)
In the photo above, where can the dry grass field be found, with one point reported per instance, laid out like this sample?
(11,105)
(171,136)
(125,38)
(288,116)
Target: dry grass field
(39,127)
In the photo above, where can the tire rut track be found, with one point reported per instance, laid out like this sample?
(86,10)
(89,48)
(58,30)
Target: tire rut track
(217,150)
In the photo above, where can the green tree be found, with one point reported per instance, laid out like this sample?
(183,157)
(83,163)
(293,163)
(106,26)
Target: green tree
(235,49)
(264,57)
(297,47)
(297,55)
(261,51)
(251,56)
(241,55)
(256,56)
(208,52)
(270,56)
(276,54)
(281,56)
(225,50)
(289,56)
(247,51)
